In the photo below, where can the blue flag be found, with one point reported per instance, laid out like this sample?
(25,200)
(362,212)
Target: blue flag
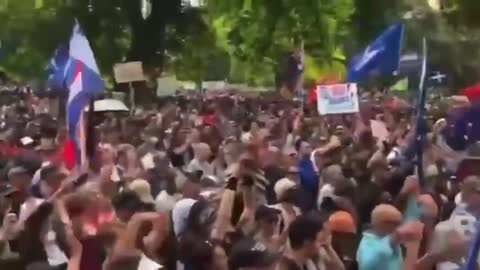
(382,55)
(56,68)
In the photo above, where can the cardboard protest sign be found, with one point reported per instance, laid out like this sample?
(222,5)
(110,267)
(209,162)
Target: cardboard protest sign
(128,72)
(379,130)
(337,99)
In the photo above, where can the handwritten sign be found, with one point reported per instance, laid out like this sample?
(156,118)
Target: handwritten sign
(337,99)
(128,72)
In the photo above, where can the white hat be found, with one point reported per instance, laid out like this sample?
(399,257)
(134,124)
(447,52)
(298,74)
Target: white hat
(142,188)
(282,186)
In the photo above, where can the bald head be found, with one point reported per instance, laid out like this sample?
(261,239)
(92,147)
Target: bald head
(385,214)
(202,151)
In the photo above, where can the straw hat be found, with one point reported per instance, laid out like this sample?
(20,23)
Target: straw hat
(142,188)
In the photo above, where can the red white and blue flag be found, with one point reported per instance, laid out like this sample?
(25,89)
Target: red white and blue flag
(83,82)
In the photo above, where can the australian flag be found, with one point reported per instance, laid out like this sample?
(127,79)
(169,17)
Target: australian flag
(382,55)
(56,68)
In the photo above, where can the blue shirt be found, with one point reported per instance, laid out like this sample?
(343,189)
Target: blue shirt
(377,253)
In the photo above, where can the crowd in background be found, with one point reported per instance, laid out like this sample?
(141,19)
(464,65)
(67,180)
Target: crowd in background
(233,182)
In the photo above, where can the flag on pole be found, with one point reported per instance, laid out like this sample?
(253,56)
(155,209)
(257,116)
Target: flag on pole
(84,82)
(420,123)
(56,68)
(382,55)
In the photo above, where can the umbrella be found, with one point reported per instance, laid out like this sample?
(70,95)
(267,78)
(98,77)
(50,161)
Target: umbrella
(110,105)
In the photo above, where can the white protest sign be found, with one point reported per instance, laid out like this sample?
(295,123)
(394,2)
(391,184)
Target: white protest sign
(379,130)
(167,86)
(128,72)
(214,85)
(337,98)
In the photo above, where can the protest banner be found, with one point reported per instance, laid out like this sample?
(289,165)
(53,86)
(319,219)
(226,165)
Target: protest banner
(167,86)
(128,73)
(379,130)
(337,99)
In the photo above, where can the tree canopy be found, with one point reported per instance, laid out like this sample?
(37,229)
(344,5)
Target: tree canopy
(240,40)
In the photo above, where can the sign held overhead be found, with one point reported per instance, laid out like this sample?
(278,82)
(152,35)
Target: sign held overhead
(128,72)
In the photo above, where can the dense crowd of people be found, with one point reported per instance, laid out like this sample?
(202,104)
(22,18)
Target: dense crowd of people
(234,183)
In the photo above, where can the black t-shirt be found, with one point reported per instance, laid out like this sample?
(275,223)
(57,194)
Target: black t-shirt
(273,173)
(368,196)
(179,160)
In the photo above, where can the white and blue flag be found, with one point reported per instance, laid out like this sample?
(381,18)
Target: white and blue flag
(75,69)
(382,55)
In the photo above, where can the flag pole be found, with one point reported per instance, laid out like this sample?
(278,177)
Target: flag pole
(90,134)
(420,125)
(301,79)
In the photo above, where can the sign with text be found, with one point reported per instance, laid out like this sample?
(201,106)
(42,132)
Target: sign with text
(337,98)
(128,72)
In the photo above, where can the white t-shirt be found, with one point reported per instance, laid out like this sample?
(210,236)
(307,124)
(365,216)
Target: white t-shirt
(148,264)
(54,254)
(204,166)
(326,190)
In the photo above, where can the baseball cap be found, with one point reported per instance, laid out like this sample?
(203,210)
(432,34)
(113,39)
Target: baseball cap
(342,221)
(16,171)
(250,253)
(282,186)
(142,188)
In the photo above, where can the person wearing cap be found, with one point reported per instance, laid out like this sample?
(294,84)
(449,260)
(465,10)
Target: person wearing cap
(310,246)
(47,148)
(267,220)
(142,188)
(342,222)
(286,192)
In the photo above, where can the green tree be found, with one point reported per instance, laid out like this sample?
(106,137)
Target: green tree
(258,34)
(32,29)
